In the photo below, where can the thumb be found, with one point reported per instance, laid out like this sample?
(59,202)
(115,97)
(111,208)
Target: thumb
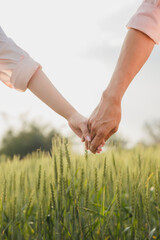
(86,134)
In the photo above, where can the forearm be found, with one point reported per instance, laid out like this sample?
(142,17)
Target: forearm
(43,88)
(135,51)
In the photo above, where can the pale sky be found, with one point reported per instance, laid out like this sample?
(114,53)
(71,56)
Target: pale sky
(77,43)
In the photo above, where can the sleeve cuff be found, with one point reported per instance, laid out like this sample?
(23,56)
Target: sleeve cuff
(147,20)
(22,73)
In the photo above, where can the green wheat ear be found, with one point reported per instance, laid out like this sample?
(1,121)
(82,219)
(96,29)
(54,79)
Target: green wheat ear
(134,189)
(147,204)
(156,194)
(86,155)
(110,196)
(29,205)
(67,155)
(53,197)
(104,173)
(4,191)
(81,183)
(14,208)
(96,181)
(44,184)
(87,195)
(55,171)
(39,178)
(61,162)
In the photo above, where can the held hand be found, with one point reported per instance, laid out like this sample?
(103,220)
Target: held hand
(104,121)
(99,148)
(78,124)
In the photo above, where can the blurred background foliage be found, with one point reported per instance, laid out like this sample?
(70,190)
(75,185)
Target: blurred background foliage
(27,140)
(32,137)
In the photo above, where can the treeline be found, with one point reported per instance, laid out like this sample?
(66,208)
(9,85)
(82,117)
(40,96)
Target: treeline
(33,137)
(27,140)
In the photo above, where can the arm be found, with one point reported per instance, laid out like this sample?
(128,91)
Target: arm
(135,51)
(19,70)
(144,32)
(43,88)
(105,119)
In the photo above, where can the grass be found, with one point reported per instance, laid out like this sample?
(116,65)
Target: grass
(114,195)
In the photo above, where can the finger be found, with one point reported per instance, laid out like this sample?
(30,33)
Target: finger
(95,143)
(86,145)
(92,133)
(99,151)
(89,143)
(98,142)
(89,125)
(82,139)
(109,134)
(85,132)
(100,147)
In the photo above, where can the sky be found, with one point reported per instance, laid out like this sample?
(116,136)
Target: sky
(77,43)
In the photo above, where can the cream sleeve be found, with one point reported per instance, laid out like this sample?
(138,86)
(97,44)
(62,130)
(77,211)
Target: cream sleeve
(16,65)
(147,19)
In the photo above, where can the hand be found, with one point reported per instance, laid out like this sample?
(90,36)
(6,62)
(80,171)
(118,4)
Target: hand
(78,124)
(104,121)
(99,148)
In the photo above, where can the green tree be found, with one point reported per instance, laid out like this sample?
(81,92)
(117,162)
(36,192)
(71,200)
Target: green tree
(27,140)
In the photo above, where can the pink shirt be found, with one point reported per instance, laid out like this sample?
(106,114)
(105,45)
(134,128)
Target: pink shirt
(16,65)
(147,19)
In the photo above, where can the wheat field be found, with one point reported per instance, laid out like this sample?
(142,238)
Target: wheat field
(61,195)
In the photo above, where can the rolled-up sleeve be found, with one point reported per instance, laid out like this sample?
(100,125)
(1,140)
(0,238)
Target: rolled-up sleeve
(147,19)
(16,65)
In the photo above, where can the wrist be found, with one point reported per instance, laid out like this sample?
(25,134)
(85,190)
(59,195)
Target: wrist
(117,86)
(70,114)
(111,96)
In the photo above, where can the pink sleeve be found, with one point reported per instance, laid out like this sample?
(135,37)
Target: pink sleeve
(147,19)
(16,65)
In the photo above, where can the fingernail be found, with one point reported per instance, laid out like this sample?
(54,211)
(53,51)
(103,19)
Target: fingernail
(88,138)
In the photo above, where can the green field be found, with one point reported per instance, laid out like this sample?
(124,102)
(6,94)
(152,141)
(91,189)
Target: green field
(61,195)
